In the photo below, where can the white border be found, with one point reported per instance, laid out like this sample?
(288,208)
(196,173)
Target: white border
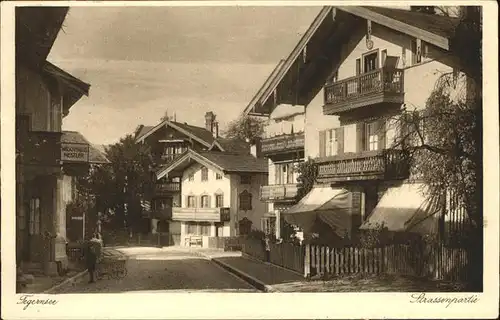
(244,305)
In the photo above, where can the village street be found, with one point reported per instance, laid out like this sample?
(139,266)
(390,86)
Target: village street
(164,270)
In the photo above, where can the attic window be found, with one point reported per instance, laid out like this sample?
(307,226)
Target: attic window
(418,51)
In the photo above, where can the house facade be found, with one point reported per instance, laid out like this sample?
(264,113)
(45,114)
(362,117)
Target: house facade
(44,161)
(219,192)
(357,71)
(168,141)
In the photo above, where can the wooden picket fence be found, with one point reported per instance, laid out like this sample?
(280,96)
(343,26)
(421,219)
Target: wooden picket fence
(430,261)
(288,255)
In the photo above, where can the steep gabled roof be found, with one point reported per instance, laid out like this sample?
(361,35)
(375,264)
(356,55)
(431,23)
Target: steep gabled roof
(231,145)
(434,29)
(95,156)
(221,161)
(142,131)
(198,134)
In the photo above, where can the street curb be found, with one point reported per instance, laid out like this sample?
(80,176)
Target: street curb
(67,281)
(275,265)
(243,275)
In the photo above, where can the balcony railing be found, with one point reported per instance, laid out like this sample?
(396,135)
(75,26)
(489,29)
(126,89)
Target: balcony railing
(39,148)
(278,192)
(164,214)
(283,143)
(167,188)
(381,85)
(369,165)
(201,214)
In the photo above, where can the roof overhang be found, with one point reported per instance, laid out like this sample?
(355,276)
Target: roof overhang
(175,127)
(36,31)
(185,161)
(72,88)
(317,55)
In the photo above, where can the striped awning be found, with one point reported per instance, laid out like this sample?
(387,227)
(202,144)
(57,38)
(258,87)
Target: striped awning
(406,208)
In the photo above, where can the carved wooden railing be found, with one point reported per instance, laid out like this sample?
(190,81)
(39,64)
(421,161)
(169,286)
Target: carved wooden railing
(283,142)
(373,82)
(201,214)
(278,192)
(167,187)
(380,164)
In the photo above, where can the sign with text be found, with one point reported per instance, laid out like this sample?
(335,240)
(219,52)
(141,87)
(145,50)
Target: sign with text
(75,152)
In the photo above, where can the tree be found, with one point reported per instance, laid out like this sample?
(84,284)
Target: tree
(245,128)
(307,174)
(444,141)
(123,184)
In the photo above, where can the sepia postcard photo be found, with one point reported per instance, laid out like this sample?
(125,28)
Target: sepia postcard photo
(249,160)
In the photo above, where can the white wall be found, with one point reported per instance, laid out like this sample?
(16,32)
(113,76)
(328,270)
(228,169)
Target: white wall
(209,188)
(419,81)
(258,207)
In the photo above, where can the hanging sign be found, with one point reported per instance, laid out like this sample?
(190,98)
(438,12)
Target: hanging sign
(74,152)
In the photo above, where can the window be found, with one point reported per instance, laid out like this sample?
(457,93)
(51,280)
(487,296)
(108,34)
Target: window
(34,218)
(160,204)
(332,143)
(416,51)
(192,228)
(245,200)
(205,201)
(372,136)
(191,177)
(191,202)
(219,200)
(285,173)
(383,57)
(370,62)
(218,176)
(199,229)
(204,174)
(246,179)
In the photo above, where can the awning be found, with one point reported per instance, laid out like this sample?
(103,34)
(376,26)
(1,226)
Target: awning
(406,208)
(330,205)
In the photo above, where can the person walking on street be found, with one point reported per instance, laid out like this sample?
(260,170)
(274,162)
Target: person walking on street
(267,247)
(92,254)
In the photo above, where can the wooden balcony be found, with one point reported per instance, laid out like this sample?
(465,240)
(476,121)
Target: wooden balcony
(201,214)
(278,193)
(39,148)
(162,214)
(369,165)
(169,157)
(283,144)
(378,86)
(167,188)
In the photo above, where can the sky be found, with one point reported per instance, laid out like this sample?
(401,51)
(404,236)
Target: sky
(143,61)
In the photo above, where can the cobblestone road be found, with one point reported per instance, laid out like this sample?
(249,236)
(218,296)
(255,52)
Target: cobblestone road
(157,270)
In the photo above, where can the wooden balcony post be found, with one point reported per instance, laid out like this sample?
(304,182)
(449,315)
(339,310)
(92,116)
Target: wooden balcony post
(307,261)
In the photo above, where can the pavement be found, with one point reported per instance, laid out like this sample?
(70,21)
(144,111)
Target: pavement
(179,269)
(168,269)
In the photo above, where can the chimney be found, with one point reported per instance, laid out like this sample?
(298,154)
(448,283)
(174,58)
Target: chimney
(209,121)
(215,131)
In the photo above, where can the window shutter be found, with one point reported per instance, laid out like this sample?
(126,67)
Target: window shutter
(208,201)
(360,136)
(340,139)
(381,134)
(358,67)
(186,199)
(322,143)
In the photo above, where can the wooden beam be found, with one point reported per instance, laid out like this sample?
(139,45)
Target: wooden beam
(402,27)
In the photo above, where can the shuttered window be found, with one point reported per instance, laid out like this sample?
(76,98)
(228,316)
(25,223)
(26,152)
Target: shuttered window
(204,174)
(191,201)
(205,201)
(219,200)
(322,143)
